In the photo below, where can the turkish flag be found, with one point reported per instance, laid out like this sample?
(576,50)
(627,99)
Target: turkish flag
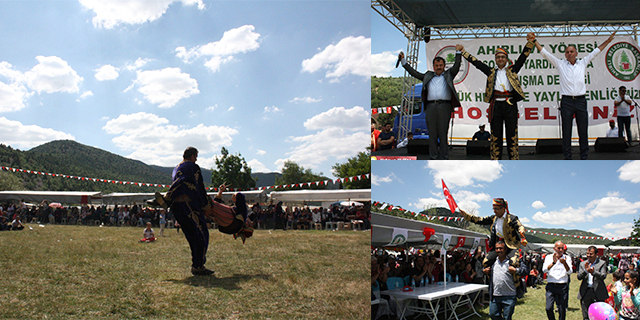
(460,242)
(447,195)
(486,245)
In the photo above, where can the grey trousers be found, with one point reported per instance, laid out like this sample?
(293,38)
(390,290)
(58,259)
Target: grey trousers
(438,117)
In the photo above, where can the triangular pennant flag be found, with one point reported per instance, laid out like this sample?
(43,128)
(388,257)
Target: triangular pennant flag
(446,240)
(399,237)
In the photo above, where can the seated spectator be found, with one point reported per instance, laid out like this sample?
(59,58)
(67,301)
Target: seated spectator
(612,132)
(481,134)
(16,224)
(469,273)
(149,235)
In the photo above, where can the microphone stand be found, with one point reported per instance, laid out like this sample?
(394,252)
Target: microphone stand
(637,120)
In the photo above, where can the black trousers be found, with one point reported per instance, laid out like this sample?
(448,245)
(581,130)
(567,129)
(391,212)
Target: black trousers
(558,293)
(588,298)
(507,114)
(195,229)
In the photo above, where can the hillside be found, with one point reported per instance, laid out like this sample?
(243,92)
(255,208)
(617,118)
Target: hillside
(72,158)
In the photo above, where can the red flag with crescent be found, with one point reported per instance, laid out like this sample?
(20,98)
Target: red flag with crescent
(447,195)
(460,242)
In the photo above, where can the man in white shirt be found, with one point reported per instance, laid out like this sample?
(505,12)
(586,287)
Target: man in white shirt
(558,269)
(623,106)
(573,90)
(613,131)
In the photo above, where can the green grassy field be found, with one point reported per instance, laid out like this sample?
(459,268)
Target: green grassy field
(80,272)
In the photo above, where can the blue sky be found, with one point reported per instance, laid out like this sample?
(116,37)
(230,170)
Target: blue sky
(387,42)
(597,196)
(271,80)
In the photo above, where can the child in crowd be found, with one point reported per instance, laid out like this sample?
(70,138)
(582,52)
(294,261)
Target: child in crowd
(615,284)
(627,297)
(149,235)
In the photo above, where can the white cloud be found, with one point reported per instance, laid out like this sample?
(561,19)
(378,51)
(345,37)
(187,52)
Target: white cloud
(257,166)
(235,41)
(355,118)
(106,72)
(524,220)
(18,135)
(139,63)
(85,95)
(13,96)
(377,180)
(382,64)
(564,216)
(52,74)
(464,173)
(231,108)
(351,55)
(537,204)
(304,100)
(154,140)
(109,14)
(630,171)
(336,138)
(272,109)
(611,206)
(615,230)
(166,87)
(261,152)
(426,203)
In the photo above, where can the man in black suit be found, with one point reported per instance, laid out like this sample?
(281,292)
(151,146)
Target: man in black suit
(440,98)
(592,272)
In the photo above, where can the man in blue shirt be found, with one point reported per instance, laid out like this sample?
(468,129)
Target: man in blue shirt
(440,98)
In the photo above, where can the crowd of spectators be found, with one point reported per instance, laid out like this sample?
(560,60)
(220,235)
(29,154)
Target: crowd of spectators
(423,267)
(264,217)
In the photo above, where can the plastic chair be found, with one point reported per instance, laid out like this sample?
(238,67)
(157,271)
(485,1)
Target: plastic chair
(395,283)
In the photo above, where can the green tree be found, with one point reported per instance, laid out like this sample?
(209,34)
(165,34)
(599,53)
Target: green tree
(293,173)
(355,167)
(232,170)
(10,182)
(635,233)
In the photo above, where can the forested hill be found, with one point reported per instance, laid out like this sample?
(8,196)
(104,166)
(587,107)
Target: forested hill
(72,158)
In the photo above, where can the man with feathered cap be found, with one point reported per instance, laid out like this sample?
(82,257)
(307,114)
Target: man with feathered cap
(504,226)
(502,93)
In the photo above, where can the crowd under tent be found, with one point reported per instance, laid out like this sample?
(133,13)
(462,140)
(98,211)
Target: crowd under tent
(64,197)
(581,249)
(386,228)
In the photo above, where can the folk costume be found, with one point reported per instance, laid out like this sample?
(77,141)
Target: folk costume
(502,93)
(508,229)
(231,220)
(187,198)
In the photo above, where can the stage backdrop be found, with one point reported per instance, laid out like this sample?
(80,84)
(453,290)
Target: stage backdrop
(618,64)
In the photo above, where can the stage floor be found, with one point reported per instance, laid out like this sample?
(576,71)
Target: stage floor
(526,153)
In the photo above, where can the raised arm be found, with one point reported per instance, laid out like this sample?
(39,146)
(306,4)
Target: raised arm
(406,66)
(474,61)
(525,53)
(606,43)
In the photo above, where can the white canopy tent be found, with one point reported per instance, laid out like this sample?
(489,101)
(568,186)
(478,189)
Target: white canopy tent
(385,226)
(64,197)
(140,198)
(322,195)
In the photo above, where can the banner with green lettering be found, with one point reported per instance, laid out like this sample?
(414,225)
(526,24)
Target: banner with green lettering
(617,65)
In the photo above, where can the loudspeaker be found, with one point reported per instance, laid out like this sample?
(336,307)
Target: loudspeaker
(418,146)
(478,147)
(548,146)
(610,145)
